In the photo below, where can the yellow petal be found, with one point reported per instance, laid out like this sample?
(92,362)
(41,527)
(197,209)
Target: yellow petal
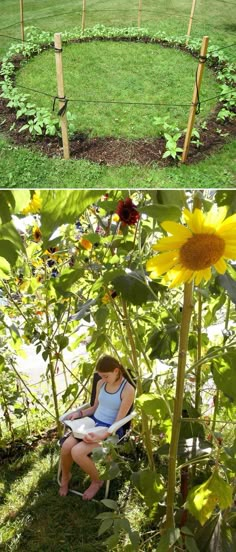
(194,220)
(230,252)
(176,228)
(200,275)
(227,223)
(214,217)
(221,266)
(181,277)
(161,263)
(169,243)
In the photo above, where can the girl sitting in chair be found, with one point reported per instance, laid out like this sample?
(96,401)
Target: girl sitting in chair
(114,399)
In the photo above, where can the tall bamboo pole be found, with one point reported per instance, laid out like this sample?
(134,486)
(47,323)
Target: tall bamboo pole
(22,20)
(196,93)
(61,94)
(83,15)
(190,21)
(139,13)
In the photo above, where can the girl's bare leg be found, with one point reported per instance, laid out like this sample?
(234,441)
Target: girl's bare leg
(66,463)
(80,454)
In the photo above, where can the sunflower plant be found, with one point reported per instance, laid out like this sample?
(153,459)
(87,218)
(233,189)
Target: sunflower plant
(75,258)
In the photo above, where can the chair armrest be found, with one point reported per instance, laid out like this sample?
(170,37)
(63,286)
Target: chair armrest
(62,418)
(114,427)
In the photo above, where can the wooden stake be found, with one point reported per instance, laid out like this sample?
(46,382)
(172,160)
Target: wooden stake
(139,13)
(22,20)
(196,93)
(61,93)
(190,20)
(83,15)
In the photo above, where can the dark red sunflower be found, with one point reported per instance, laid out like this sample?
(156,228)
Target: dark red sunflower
(127,211)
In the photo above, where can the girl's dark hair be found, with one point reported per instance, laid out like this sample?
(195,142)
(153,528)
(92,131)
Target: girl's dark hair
(108,363)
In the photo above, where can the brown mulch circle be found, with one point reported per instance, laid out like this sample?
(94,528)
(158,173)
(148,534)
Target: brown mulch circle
(112,151)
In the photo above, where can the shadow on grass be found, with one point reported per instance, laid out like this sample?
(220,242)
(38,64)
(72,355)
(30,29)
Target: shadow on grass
(47,522)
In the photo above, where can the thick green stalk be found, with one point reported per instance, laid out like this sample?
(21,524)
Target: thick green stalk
(178,405)
(217,395)
(50,363)
(198,372)
(145,427)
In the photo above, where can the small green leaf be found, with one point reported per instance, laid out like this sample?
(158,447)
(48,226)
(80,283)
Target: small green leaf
(168,540)
(106,524)
(112,504)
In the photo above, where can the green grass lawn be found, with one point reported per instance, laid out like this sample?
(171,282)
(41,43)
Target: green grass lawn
(147,73)
(35,518)
(20,167)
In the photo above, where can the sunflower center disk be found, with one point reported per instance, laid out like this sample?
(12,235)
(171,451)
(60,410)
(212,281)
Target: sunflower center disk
(201,251)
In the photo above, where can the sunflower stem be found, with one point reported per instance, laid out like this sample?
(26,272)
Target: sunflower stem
(178,405)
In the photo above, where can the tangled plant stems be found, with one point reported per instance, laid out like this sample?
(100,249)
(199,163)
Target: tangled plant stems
(191,251)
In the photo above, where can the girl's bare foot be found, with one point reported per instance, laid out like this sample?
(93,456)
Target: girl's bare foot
(92,490)
(64,486)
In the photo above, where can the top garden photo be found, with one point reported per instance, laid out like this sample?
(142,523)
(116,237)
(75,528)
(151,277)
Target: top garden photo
(128,94)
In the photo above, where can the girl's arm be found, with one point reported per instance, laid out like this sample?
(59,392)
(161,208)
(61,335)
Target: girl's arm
(127,399)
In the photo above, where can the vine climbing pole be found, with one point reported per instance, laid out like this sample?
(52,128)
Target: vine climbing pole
(61,95)
(195,98)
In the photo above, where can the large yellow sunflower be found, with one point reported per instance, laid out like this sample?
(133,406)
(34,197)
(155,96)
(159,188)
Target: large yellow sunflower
(190,252)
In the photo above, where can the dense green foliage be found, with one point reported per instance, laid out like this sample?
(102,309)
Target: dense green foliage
(76,272)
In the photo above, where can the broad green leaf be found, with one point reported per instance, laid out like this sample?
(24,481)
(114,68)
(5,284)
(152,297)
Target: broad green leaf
(62,207)
(203,499)
(112,541)
(168,540)
(153,405)
(161,212)
(66,280)
(170,197)
(229,285)
(101,316)
(5,268)
(63,341)
(5,212)
(224,373)
(150,485)
(22,199)
(8,251)
(132,288)
(9,232)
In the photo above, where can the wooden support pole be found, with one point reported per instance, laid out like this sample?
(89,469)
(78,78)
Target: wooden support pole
(22,20)
(196,93)
(83,15)
(61,94)
(190,20)
(139,13)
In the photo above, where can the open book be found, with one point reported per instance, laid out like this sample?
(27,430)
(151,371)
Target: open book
(83,426)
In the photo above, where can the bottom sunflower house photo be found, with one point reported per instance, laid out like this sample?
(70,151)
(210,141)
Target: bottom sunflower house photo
(117,370)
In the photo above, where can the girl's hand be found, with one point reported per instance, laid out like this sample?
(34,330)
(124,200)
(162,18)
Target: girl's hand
(95,437)
(74,415)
